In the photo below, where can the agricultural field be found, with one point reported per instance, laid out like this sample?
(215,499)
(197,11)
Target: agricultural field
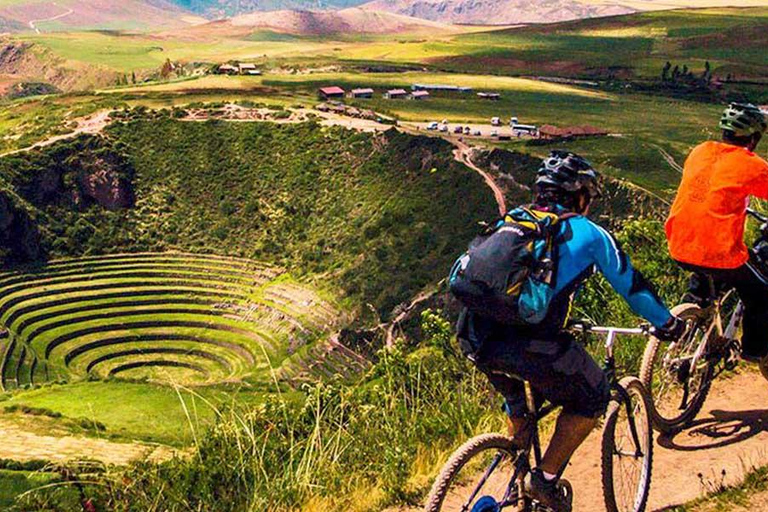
(638,45)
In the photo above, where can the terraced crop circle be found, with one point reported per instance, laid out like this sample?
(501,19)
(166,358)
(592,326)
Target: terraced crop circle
(188,317)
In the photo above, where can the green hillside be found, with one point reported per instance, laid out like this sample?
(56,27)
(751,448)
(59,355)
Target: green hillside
(637,45)
(343,218)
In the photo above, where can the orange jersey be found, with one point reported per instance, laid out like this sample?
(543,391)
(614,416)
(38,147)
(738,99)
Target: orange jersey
(706,225)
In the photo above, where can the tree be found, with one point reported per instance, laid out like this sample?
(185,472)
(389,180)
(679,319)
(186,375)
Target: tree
(676,73)
(167,68)
(665,72)
(133,77)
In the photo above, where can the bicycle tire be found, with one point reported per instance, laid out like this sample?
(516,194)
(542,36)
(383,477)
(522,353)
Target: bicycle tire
(458,460)
(667,424)
(635,389)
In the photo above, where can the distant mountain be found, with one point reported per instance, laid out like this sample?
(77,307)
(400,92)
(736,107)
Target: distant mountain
(497,12)
(227,8)
(50,16)
(315,23)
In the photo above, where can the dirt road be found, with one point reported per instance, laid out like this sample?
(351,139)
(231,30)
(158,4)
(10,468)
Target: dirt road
(33,23)
(92,124)
(463,154)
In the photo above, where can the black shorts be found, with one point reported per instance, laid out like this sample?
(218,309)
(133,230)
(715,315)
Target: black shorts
(558,368)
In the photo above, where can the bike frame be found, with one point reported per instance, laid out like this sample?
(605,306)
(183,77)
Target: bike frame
(729,332)
(522,463)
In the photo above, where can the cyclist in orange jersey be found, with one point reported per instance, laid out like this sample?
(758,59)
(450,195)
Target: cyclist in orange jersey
(705,229)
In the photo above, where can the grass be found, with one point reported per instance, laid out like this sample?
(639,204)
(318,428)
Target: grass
(637,44)
(126,53)
(14,483)
(147,412)
(728,498)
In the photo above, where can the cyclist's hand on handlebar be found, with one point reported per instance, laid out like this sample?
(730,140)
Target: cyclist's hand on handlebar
(673,330)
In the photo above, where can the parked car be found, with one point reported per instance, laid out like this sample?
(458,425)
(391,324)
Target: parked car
(477,133)
(458,130)
(445,121)
(495,121)
(513,121)
(494,133)
(444,128)
(432,126)
(467,130)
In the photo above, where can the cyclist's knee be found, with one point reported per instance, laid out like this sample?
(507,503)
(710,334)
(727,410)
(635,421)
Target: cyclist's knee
(589,405)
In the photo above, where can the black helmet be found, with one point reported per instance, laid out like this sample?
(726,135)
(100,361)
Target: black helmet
(568,171)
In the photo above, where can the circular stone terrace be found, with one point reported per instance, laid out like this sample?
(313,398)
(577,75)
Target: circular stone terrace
(192,318)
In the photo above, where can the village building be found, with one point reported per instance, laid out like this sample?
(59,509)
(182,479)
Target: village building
(366,93)
(553,132)
(441,88)
(247,68)
(228,69)
(332,92)
(420,95)
(395,94)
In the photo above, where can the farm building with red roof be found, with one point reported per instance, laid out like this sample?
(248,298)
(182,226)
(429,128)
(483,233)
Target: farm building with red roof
(331,92)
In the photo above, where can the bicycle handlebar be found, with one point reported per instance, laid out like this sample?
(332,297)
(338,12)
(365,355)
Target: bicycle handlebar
(585,327)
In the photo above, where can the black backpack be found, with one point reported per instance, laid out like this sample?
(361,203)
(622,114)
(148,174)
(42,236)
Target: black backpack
(509,271)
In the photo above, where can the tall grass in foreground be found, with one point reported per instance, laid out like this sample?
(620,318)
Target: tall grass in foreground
(342,448)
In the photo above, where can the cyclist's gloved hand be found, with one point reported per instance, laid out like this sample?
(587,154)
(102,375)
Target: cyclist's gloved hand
(671,331)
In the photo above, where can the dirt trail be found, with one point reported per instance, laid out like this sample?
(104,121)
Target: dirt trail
(92,124)
(463,154)
(20,444)
(33,23)
(729,437)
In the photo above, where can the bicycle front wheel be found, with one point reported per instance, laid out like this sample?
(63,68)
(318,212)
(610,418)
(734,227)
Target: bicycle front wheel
(627,451)
(677,383)
(481,469)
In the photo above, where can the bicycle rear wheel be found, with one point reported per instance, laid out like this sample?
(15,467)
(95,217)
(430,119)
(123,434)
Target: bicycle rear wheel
(481,469)
(627,457)
(678,387)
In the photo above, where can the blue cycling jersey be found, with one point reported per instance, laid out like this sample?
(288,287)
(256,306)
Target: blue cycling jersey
(584,246)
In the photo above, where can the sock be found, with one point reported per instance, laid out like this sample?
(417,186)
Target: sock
(548,476)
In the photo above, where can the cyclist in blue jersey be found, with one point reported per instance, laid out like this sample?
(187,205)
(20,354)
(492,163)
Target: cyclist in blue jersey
(558,368)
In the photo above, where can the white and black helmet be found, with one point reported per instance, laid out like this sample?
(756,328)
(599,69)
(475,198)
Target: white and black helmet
(568,171)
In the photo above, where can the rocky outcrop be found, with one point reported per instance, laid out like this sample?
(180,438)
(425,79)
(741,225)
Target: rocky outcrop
(101,184)
(19,238)
(63,186)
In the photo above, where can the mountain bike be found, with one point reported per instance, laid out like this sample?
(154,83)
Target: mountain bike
(486,473)
(679,375)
